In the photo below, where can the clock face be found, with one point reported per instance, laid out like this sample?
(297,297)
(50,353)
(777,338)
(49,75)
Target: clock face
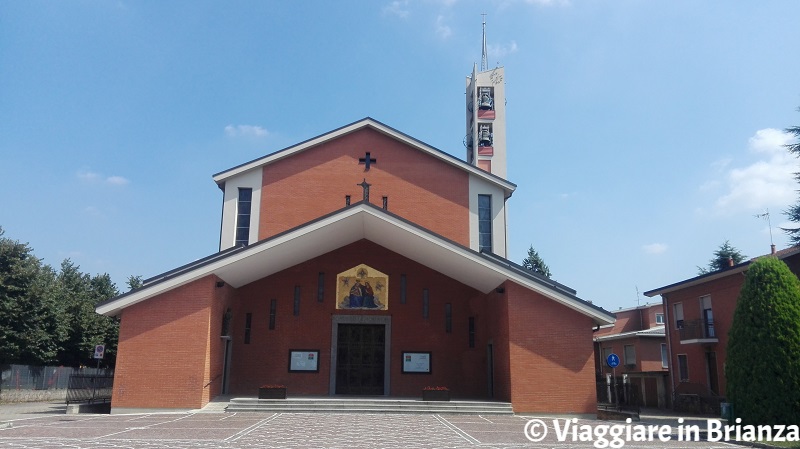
(496,78)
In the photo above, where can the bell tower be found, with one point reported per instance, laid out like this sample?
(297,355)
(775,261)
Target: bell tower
(486,116)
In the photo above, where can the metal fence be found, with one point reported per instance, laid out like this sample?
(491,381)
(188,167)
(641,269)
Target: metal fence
(89,388)
(26,382)
(618,393)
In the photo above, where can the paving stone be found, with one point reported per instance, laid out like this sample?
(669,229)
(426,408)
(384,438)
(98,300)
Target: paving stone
(291,430)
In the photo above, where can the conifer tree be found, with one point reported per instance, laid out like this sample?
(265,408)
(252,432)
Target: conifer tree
(763,354)
(535,263)
(722,257)
(793,213)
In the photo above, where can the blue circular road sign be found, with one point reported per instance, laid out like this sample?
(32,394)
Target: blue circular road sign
(612,360)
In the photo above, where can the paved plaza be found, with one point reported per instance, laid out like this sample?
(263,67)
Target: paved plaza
(21,428)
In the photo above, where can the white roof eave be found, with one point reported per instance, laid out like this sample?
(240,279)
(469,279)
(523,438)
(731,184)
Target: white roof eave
(342,228)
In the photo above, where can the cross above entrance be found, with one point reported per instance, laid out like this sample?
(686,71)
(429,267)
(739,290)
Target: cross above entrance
(366,160)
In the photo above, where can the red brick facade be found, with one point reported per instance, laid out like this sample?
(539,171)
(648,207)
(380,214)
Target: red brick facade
(171,355)
(704,372)
(724,293)
(529,349)
(418,187)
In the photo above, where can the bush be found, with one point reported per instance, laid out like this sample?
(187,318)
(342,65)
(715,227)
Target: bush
(763,354)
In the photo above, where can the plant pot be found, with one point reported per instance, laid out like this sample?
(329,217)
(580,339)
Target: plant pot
(435,395)
(272,393)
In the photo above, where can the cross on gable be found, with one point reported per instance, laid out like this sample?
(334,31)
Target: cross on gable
(365,185)
(366,160)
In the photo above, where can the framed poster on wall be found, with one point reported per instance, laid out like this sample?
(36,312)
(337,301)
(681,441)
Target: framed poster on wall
(303,360)
(417,362)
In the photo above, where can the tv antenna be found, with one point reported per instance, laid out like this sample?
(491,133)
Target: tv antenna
(765,215)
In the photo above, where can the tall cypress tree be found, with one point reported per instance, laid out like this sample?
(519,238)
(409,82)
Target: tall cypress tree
(763,355)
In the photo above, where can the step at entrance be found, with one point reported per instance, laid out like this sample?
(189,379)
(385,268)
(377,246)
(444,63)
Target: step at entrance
(299,405)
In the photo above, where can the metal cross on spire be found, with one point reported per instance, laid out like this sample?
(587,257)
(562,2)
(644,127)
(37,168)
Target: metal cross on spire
(484,56)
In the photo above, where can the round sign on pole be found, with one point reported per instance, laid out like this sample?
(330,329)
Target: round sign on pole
(612,360)
(99,350)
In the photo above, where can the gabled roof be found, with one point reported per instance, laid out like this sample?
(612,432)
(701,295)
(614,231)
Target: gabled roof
(242,265)
(367,122)
(703,278)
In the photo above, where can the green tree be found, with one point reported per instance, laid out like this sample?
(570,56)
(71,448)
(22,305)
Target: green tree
(763,354)
(793,213)
(79,293)
(31,322)
(722,257)
(535,263)
(134,282)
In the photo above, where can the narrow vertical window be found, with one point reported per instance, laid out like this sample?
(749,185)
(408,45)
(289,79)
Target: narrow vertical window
(296,300)
(402,289)
(321,287)
(448,318)
(248,321)
(425,304)
(472,332)
(243,216)
(386,202)
(708,317)
(347,200)
(485,223)
(664,358)
(683,367)
(273,308)
(678,315)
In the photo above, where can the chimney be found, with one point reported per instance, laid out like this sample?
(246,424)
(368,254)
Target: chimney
(730,261)
(772,249)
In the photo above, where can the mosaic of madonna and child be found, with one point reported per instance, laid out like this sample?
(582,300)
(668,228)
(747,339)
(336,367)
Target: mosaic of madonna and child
(362,287)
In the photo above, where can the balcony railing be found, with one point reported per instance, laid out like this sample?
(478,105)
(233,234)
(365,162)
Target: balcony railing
(700,330)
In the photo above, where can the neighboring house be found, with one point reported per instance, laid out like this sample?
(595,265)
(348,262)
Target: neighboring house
(362,262)
(699,312)
(639,340)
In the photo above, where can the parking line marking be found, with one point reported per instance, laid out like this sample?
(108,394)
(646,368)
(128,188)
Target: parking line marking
(255,426)
(457,430)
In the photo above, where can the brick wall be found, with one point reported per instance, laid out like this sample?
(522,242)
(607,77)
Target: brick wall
(166,349)
(420,188)
(171,353)
(724,293)
(265,359)
(551,354)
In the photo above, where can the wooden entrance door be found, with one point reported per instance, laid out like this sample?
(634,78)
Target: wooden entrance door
(360,358)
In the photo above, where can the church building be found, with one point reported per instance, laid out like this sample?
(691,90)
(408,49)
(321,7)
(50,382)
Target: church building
(362,262)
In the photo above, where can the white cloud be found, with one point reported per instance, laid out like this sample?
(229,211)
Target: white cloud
(92,177)
(768,182)
(655,248)
(497,52)
(117,180)
(88,176)
(245,131)
(398,8)
(444,31)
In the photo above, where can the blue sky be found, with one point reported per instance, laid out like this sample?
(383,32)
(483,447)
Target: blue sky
(641,135)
